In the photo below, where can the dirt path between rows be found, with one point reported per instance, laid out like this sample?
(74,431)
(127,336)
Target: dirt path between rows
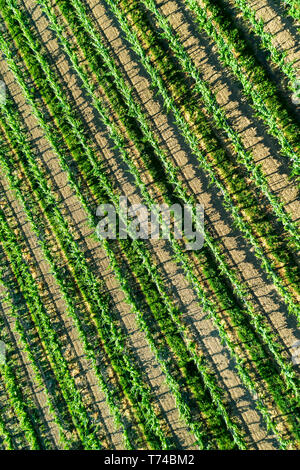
(238,252)
(73,352)
(167,135)
(78,221)
(240,115)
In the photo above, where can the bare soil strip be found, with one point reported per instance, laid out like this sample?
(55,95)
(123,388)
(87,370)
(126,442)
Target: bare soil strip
(146,97)
(238,252)
(74,353)
(263,290)
(239,114)
(196,181)
(100,264)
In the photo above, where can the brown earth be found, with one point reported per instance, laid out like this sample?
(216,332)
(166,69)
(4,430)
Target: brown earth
(238,252)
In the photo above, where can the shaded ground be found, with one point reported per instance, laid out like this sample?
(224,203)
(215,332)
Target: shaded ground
(238,252)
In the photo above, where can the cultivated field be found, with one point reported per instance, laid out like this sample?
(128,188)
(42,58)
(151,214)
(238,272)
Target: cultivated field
(133,343)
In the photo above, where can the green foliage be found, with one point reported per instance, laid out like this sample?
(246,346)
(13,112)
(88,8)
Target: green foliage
(69,141)
(256,86)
